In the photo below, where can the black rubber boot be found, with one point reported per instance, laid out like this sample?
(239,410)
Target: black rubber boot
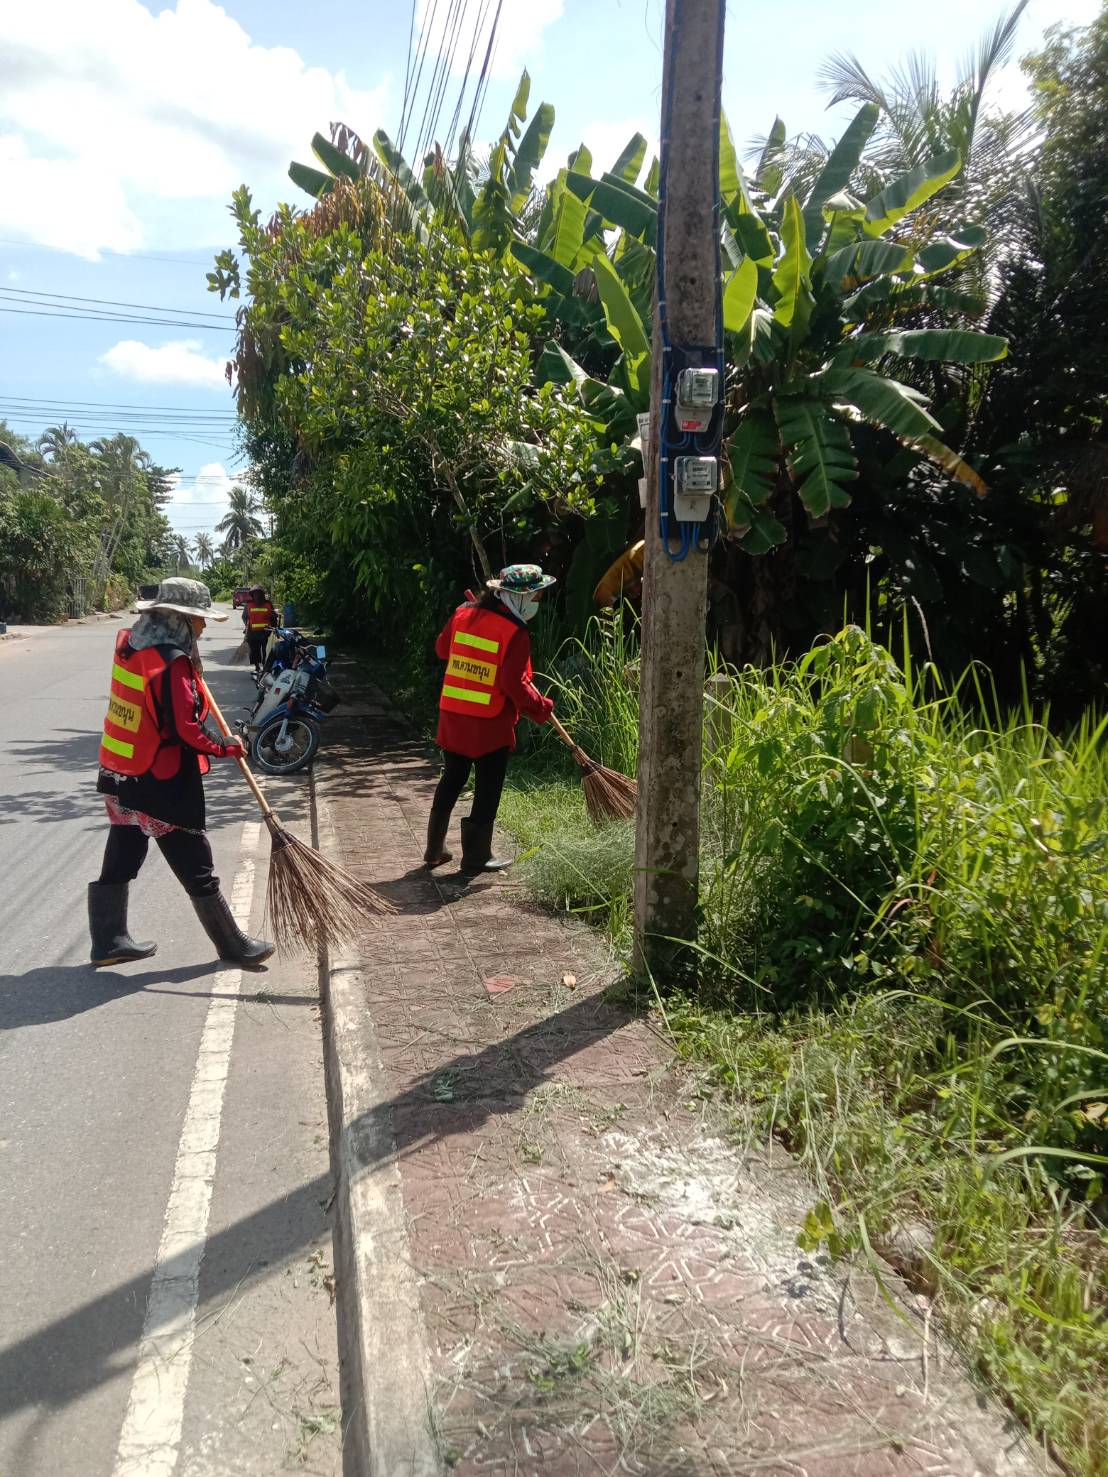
(230,941)
(436,853)
(107,925)
(477,848)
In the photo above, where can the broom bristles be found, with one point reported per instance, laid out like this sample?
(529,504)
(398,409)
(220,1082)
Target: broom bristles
(309,900)
(240,653)
(609,795)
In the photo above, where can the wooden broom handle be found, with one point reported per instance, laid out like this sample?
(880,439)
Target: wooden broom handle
(569,742)
(221,724)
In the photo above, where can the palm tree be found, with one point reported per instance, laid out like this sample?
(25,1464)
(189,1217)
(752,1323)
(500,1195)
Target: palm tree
(240,524)
(182,552)
(56,441)
(919,123)
(204,550)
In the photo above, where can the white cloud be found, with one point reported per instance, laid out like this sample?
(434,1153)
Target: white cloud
(176,363)
(109,114)
(199,503)
(518,35)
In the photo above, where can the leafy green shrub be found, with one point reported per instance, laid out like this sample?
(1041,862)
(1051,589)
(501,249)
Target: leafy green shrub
(905,974)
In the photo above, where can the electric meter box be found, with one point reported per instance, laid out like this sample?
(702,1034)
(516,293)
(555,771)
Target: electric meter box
(697,475)
(697,397)
(696,481)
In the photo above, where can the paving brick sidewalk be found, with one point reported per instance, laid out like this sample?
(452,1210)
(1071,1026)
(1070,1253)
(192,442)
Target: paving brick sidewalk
(606,1284)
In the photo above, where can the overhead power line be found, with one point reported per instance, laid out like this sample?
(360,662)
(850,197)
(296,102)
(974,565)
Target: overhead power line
(127,256)
(105,404)
(68,297)
(94,317)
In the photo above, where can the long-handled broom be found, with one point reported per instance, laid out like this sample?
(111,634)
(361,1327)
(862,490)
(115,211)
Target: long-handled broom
(240,653)
(609,795)
(309,901)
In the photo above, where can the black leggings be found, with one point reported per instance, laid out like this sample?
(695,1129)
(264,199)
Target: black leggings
(487,784)
(257,643)
(188,853)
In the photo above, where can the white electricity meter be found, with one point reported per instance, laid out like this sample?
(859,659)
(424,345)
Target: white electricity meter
(697,475)
(696,484)
(697,397)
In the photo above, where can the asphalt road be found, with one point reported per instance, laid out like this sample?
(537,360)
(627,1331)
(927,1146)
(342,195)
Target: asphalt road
(115,1085)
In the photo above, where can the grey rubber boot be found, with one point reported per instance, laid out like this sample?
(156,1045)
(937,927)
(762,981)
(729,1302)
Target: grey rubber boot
(107,925)
(477,848)
(230,941)
(436,854)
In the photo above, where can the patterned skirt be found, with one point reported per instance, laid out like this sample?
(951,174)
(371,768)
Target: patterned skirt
(119,815)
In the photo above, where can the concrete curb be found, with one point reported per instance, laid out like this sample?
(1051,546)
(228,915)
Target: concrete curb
(384,1371)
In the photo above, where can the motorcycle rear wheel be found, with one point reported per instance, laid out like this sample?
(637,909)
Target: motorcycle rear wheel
(301,742)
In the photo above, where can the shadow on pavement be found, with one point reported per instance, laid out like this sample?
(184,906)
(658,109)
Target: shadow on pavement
(62,1361)
(59,991)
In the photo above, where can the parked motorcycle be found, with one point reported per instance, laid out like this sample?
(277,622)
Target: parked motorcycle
(294,697)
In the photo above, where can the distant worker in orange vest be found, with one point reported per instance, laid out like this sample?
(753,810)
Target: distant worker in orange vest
(153,753)
(259,618)
(488,684)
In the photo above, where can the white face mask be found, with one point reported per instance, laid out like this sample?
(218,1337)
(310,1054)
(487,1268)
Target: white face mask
(524,604)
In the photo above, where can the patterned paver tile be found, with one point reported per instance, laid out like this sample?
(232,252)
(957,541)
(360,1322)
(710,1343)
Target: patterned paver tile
(608,1285)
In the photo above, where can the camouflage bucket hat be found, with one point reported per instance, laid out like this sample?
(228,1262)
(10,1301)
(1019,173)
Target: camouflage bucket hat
(186,597)
(521,579)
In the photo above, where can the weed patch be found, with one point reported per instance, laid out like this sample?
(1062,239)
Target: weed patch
(904,950)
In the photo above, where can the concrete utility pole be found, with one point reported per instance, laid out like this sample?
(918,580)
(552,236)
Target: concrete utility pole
(667,838)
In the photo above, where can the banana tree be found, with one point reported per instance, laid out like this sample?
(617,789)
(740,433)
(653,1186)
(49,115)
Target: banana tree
(482,202)
(815,300)
(819,347)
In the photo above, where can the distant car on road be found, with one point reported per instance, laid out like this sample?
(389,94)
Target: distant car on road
(240,597)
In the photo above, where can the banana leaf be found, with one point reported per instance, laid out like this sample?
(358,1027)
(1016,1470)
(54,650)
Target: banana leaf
(628,166)
(910,191)
(937,345)
(313,181)
(792,276)
(739,294)
(837,172)
(821,456)
(334,159)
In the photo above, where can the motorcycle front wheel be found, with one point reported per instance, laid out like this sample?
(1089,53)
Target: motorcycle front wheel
(277,755)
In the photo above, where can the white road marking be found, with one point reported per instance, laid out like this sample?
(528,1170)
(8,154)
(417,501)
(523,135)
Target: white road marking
(151,1434)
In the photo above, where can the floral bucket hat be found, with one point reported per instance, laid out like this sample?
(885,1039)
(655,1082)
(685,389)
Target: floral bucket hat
(521,579)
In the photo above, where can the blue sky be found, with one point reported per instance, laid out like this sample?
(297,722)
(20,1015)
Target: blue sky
(125,125)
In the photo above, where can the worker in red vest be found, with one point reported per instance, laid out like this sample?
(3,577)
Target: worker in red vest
(153,753)
(259,618)
(488,684)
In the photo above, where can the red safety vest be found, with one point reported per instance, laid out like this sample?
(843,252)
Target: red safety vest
(260,617)
(478,640)
(132,730)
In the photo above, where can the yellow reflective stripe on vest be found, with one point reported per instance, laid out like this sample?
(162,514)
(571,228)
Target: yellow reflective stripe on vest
(118,746)
(463,638)
(128,679)
(463,694)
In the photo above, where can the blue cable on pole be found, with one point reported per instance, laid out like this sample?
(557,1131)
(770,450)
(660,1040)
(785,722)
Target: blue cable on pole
(690,533)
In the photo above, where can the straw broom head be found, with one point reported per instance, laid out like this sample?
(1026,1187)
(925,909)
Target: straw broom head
(310,902)
(609,795)
(240,653)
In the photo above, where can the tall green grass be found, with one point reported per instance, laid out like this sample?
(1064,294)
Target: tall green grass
(904,955)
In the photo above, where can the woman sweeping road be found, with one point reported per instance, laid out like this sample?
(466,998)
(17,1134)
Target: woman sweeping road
(486,687)
(153,754)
